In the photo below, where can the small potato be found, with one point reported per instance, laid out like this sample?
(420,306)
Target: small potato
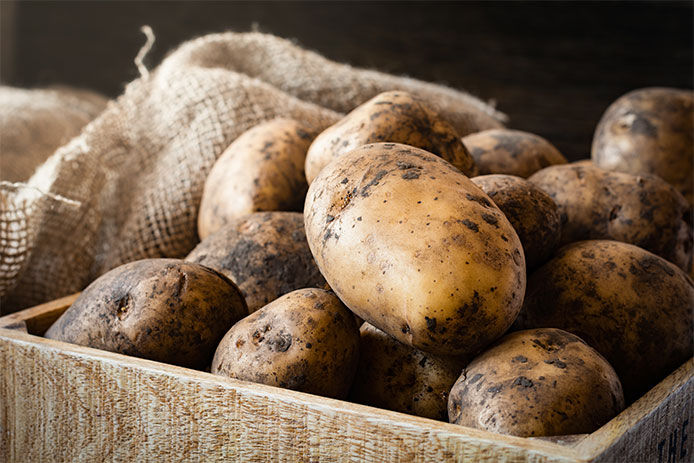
(531,211)
(511,152)
(542,382)
(159,309)
(632,306)
(650,131)
(598,204)
(397,377)
(265,254)
(306,340)
(395,116)
(263,170)
(415,248)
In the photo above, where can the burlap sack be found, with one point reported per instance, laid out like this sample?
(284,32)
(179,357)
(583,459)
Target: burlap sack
(34,123)
(129,186)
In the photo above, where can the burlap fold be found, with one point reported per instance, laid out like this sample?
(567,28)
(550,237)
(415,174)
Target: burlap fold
(129,186)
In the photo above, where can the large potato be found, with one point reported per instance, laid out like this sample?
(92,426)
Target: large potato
(598,204)
(395,116)
(265,254)
(531,211)
(511,152)
(415,248)
(650,131)
(632,306)
(160,309)
(262,170)
(306,340)
(542,382)
(398,377)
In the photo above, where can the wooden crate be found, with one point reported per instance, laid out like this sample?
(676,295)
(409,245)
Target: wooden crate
(61,402)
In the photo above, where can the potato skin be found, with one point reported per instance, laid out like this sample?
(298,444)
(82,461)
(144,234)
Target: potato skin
(632,306)
(649,131)
(265,254)
(262,170)
(598,204)
(398,377)
(306,340)
(541,382)
(412,246)
(531,211)
(511,152)
(159,309)
(394,116)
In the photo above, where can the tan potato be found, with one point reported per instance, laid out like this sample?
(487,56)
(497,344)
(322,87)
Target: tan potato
(265,254)
(398,377)
(263,170)
(159,309)
(542,382)
(415,248)
(511,152)
(650,131)
(306,340)
(531,211)
(632,306)
(395,116)
(598,204)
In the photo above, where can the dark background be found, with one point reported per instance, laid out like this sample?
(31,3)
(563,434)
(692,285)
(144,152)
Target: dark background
(553,67)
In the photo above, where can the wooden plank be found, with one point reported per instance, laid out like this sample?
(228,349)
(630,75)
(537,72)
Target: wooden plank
(62,402)
(39,318)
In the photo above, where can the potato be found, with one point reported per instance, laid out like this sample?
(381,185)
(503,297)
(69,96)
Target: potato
(395,116)
(632,306)
(159,309)
(531,211)
(541,382)
(398,377)
(306,340)
(598,204)
(511,152)
(265,254)
(412,246)
(263,170)
(649,131)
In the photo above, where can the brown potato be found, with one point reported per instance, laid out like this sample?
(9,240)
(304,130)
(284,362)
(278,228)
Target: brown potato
(632,306)
(598,204)
(395,116)
(415,248)
(531,211)
(262,170)
(398,377)
(159,309)
(650,131)
(511,152)
(265,254)
(306,340)
(542,382)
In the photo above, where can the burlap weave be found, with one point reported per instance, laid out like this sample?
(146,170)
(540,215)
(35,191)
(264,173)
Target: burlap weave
(129,186)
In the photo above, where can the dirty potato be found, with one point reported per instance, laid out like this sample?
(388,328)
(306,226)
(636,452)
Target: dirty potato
(265,254)
(650,131)
(262,170)
(632,306)
(531,211)
(395,116)
(541,382)
(306,340)
(159,309)
(598,204)
(511,152)
(415,248)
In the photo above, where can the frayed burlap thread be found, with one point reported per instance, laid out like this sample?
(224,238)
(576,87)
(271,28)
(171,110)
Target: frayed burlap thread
(129,186)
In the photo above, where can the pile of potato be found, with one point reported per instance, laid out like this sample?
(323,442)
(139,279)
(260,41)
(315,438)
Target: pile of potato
(533,300)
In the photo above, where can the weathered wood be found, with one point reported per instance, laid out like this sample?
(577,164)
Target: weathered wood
(61,402)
